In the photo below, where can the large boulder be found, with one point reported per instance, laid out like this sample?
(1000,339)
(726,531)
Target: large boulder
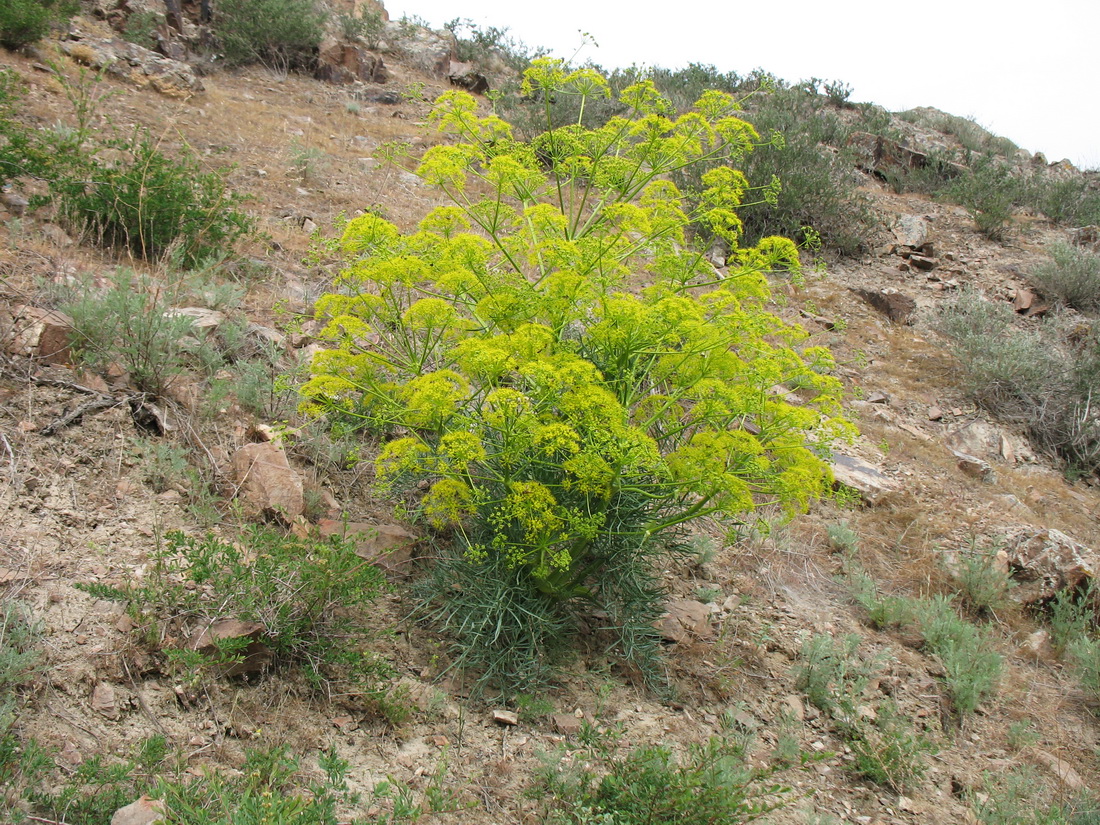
(429,51)
(129,62)
(342,63)
(1045,562)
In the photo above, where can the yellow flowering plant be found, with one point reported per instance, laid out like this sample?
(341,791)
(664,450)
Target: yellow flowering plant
(574,379)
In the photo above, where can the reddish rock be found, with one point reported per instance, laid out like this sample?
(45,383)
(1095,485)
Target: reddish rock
(268,484)
(1023,300)
(684,619)
(389,546)
(103,700)
(1061,769)
(975,467)
(897,307)
(1045,562)
(254,656)
(342,63)
(34,332)
(870,482)
(567,724)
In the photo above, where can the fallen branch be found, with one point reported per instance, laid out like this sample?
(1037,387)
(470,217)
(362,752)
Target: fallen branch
(103,402)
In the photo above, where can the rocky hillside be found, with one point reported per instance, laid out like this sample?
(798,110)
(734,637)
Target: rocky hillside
(916,650)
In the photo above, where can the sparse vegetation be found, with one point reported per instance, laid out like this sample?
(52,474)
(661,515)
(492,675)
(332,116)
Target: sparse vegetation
(713,784)
(887,748)
(983,586)
(972,665)
(584,424)
(271,788)
(129,323)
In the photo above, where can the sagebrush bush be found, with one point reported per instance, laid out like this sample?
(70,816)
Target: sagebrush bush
(1071,277)
(983,586)
(129,322)
(280,34)
(1040,378)
(990,191)
(972,666)
(561,365)
(1072,615)
(1074,201)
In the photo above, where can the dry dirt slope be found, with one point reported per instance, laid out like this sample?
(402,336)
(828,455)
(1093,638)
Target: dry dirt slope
(76,507)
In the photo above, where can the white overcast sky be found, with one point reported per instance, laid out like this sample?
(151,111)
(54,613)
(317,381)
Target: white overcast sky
(1027,71)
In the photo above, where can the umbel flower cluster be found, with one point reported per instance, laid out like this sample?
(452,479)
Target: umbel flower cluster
(554,353)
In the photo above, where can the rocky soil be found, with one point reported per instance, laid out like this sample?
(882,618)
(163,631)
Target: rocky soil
(77,507)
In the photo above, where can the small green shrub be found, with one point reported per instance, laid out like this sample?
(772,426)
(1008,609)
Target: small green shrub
(842,538)
(1006,369)
(25,21)
(19,637)
(1021,734)
(306,162)
(830,672)
(1072,616)
(128,322)
(1074,201)
(712,785)
(369,25)
(141,26)
(1017,797)
(1071,277)
(888,749)
(883,611)
(148,203)
(312,598)
(973,667)
(984,587)
(1083,653)
(281,34)
(990,191)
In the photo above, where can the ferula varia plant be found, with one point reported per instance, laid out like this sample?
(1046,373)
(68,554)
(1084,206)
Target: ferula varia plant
(568,372)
